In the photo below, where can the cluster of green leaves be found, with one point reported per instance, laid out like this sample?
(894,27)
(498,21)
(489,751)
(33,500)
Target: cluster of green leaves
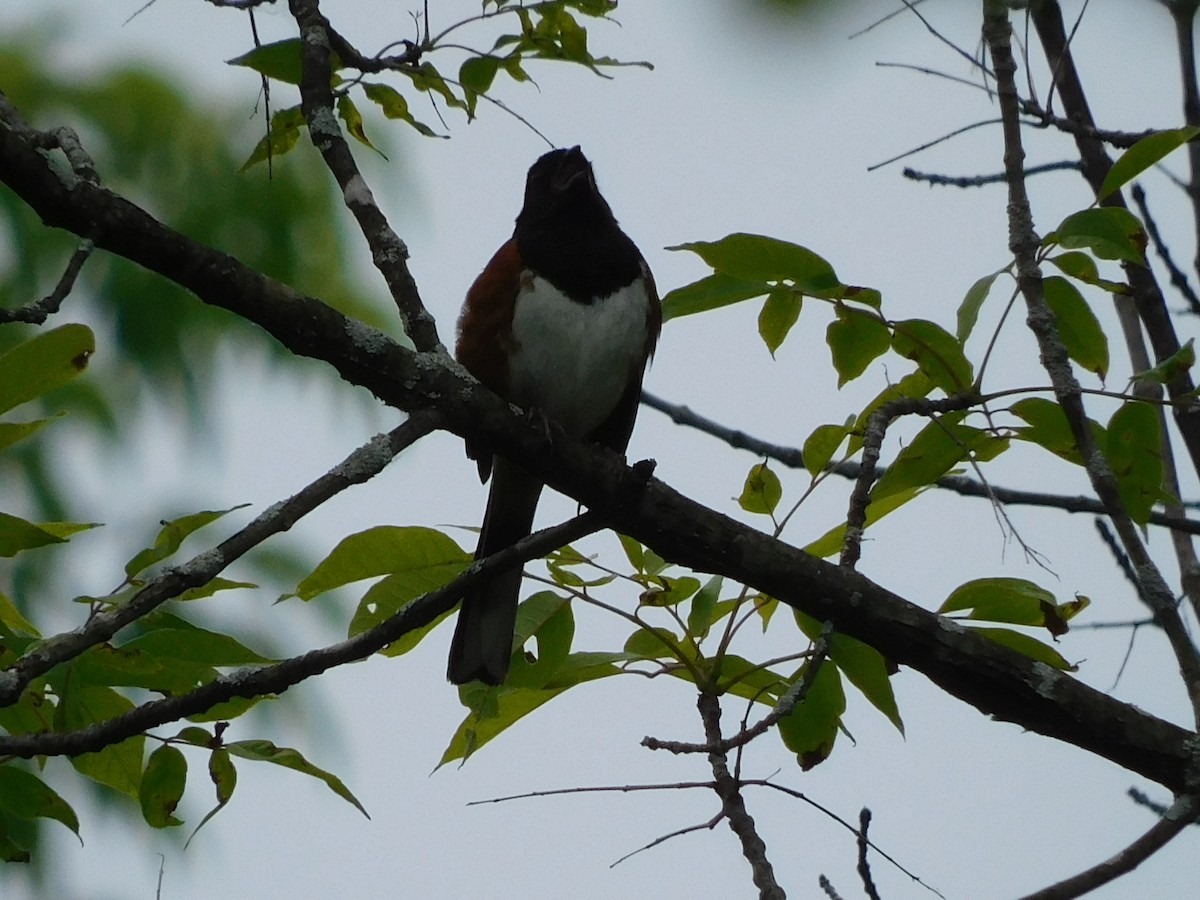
(548,30)
(167,655)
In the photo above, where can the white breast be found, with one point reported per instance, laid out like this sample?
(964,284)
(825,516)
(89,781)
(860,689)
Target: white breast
(574,360)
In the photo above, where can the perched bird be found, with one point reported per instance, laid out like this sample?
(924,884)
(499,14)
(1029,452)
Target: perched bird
(561,322)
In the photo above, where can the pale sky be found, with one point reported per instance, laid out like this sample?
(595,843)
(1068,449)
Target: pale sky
(746,124)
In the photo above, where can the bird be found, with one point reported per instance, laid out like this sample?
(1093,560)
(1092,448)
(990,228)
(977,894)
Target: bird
(562,322)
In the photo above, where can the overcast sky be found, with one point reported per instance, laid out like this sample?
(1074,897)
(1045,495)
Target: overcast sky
(747,123)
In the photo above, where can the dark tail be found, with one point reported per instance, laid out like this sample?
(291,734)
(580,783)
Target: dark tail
(483,637)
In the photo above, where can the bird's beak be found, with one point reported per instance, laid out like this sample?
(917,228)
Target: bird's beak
(574,165)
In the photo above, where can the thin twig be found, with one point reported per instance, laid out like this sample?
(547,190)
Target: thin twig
(1179,279)
(864,868)
(970,181)
(38,311)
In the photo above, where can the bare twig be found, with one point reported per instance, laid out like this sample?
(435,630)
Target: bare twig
(733,806)
(1179,279)
(970,181)
(783,707)
(864,868)
(38,311)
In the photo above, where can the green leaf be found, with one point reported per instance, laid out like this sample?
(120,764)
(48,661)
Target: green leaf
(223,774)
(46,361)
(968,310)
(937,353)
(478,73)
(935,450)
(547,619)
(353,121)
(172,535)
(213,587)
(831,541)
(173,638)
(1078,326)
(1078,265)
(779,313)
(672,591)
(862,664)
(17,535)
(25,796)
(386,598)
(1048,427)
(856,339)
(10,851)
(119,765)
(1134,452)
(424,554)
(1109,232)
(711,292)
(822,444)
(811,728)
(704,603)
(743,678)
(762,490)
(1014,601)
(279,60)
(11,432)
(1027,645)
(162,787)
(654,643)
(282,135)
(265,751)
(760,258)
(1142,155)
(11,617)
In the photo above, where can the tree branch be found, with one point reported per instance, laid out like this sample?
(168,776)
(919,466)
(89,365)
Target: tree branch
(1183,812)
(39,311)
(1000,682)
(360,466)
(733,806)
(389,253)
(278,677)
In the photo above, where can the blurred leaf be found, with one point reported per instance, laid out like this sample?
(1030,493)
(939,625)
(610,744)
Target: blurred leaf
(172,535)
(46,361)
(1174,366)
(279,60)
(282,135)
(11,617)
(353,121)
(11,432)
(119,765)
(936,449)
(17,535)
(169,637)
(1142,155)
(831,542)
(704,603)
(24,795)
(425,555)
(265,751)
(162,787)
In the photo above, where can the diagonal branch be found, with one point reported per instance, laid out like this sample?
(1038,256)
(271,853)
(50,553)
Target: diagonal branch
(1024,243)
(388,251)
(360,466)
(278,677)
(996,680)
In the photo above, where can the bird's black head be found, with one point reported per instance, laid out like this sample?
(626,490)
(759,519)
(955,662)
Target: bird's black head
(566,233)
(561,185)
